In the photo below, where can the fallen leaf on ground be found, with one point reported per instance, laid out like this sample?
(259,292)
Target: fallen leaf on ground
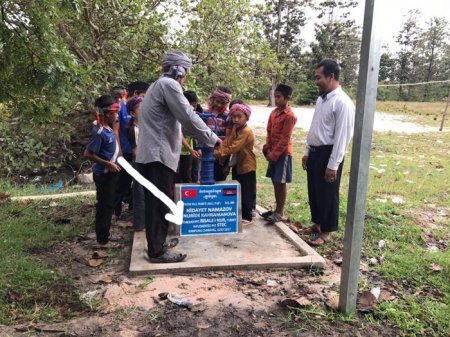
(4,197)
(100,255)
(386,295)
(435,267)
(295,302)
(363,267)
(366,302)
(95,262)
(103,279)
(333,301)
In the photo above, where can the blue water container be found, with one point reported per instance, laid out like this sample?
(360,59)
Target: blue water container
(207,161)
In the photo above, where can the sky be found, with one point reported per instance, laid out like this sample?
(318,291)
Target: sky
(392,15)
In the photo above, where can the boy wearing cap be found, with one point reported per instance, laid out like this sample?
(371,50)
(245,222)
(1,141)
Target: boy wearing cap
(103,149)
(240,144)
(278,149)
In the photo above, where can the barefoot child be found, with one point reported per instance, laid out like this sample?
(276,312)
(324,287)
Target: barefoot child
(240,144)
(278,149)
(103,149)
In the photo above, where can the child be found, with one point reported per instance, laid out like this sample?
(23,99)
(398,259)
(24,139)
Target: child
(240,144)
(133,107)
(192,98)
(121,127)
(136,89)
(103,149)
(188,152)
(278,149)
(217,104)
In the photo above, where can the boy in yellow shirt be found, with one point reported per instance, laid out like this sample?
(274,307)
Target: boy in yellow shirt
(240,144)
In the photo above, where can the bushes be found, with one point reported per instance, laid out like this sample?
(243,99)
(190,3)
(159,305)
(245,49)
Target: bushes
(306,93)
(32,145)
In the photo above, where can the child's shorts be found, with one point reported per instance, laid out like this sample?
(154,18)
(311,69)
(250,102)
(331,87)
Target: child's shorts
(281,171)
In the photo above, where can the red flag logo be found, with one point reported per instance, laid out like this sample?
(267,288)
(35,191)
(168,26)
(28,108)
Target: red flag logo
(189,193)
(229,191)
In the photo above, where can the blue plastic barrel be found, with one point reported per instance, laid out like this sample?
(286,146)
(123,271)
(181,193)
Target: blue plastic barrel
(207,161)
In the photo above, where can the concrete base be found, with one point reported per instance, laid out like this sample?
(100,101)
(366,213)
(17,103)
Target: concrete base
(259,246)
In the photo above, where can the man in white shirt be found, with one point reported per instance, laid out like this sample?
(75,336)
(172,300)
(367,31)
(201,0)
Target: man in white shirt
(328,138)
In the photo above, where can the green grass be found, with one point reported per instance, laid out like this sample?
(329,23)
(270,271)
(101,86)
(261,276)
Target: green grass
(15,189)
(29,289)
(415,168)
(425,113)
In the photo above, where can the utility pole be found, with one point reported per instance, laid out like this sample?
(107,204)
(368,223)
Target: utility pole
(362,141)
(445,112)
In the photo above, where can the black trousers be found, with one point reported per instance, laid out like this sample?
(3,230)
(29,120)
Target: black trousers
(123,191)
(185,169)
(323,196)
(156,226)
(218,171)
(106,186)
(248,193)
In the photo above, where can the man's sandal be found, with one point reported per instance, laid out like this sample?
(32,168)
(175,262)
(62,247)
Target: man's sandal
(266,214)
(310,230)
(275,217)
(168,257)
(171,243)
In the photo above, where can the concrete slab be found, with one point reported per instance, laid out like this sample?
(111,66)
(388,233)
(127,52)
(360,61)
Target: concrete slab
(259,246)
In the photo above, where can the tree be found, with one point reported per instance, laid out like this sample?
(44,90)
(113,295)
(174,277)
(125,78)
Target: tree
(282,21)
(226,47)
(431,50)
(387,67)
(407,39)
(55,54)
(337,37)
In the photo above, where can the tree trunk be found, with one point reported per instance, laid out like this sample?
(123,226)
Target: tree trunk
(275,77)
(272,88)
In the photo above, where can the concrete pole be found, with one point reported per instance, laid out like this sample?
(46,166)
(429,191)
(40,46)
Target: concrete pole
(445,113)
(362,142)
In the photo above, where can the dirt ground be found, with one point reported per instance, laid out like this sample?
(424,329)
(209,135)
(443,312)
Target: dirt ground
(232,303)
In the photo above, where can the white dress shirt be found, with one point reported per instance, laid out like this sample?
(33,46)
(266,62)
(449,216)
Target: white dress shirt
(332,124)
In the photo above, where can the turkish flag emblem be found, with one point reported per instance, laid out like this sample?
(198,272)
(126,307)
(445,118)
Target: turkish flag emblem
(189,193)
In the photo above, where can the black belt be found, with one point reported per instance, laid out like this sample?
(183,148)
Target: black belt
(320,148)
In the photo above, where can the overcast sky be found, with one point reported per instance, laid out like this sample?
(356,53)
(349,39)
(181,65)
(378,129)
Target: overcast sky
(392,16)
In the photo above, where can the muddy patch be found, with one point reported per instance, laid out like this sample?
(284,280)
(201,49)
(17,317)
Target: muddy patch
(434,222)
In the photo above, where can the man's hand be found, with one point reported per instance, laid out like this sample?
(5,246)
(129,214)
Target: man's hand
(305,162)
(330,175)
(218,143)
(266,155)
(112,167)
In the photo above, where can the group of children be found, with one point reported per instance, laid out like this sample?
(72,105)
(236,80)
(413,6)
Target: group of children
(116,132)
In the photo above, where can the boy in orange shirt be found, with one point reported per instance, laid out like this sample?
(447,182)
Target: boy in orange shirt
(278,149)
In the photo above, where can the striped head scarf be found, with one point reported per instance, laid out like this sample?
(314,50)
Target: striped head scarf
(242,107)
(218,94)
